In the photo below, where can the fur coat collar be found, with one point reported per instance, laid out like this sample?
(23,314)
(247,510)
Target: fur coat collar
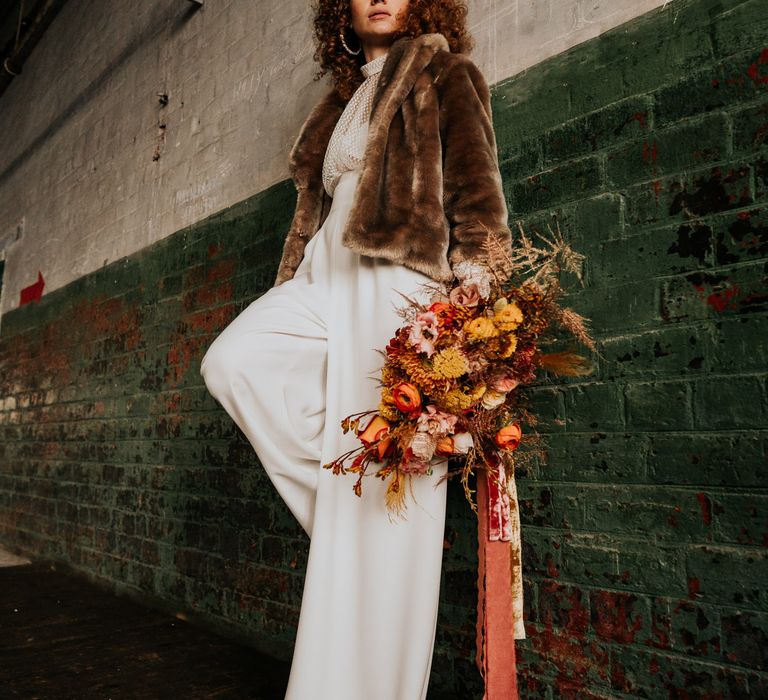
(429,190)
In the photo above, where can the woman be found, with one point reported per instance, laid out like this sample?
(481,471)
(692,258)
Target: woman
(397,181)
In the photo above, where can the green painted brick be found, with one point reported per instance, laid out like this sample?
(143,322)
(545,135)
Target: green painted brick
(720,86)
(547,404)
(536,504)
(673,351)
(634,306)
(664,151)
(614,123)
(564,606)
(750,128)
(722,293)
(591,560)
(568,506)
(695,630)
(519,158)
(542,552)
(570,181)
(659,405)
(595,80)
(599,218)
(649,254)
(761,177)
(657,570)
(545,222)
(595,457)
(594,407)
(741,25)
(741,518)
(672,515)
(672,42)
(728,575)
(722,402)
(740,236)
(528,102)
(744,635)
(740,344)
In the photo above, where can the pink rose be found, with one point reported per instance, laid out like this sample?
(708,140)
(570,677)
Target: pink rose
(424,332)
(503,382)
(467,294)
(436,422)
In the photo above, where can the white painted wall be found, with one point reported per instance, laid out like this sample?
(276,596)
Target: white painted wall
(89,175)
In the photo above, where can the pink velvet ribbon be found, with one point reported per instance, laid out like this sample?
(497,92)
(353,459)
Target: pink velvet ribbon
(498,567)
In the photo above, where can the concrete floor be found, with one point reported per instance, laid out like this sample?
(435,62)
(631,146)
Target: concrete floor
(62,637)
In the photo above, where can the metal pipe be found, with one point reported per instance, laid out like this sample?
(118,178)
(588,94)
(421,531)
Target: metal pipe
(12,65)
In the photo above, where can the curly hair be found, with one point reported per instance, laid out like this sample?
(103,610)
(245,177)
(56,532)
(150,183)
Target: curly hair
(447,17)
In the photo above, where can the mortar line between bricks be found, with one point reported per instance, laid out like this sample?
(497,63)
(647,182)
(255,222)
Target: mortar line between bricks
(760,491)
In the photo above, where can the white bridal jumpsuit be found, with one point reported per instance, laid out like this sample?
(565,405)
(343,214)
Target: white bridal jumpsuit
(287,370)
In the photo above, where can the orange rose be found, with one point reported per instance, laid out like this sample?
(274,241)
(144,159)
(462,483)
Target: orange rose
(376,430)
(444,446)
(509,436)
(406,397)
(440,307)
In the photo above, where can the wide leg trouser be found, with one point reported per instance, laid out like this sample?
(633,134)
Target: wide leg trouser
(287,369)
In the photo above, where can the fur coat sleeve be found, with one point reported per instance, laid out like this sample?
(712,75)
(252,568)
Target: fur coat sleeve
(473,192)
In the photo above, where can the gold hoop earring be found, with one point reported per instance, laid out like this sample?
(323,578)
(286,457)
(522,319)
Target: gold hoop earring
(344,43)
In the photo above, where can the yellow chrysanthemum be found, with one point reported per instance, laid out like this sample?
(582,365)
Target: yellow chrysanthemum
(458,400)
(481,328)
(421,376)
(509,317)
(449,364)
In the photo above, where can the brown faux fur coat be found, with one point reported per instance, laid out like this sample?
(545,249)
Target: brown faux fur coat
(430,182)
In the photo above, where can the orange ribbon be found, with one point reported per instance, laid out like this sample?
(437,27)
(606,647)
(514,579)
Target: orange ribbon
(495,644)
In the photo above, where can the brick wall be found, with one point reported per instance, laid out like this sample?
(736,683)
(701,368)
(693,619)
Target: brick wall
(162,113)
(644,530)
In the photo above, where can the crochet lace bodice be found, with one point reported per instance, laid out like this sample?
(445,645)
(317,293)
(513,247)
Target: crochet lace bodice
(346,146)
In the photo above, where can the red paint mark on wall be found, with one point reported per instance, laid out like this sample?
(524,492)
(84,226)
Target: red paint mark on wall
(706,510)
(172,401)
(214,289)
(33,292)
(754,71)
(210,321)
(650,152)
(720,301)
(613,616)
(567,647)
(672,519)
(213,249)
(693,587)
(641,118)
(182,352)
(551,568)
